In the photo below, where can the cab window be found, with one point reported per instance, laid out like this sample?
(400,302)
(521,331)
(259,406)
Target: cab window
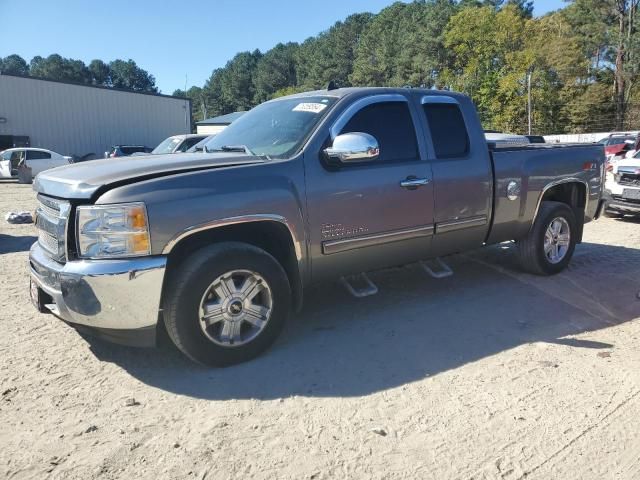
(448,130)
(391,125)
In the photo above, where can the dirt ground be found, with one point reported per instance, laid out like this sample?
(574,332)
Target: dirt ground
(489,374)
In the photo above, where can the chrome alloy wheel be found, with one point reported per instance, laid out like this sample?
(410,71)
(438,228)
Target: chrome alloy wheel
(557,239)
(235,308)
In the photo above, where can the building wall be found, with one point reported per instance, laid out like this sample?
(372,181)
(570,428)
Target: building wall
(77,120)
(210,129)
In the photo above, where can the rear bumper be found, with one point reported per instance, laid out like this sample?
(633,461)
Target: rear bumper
(116,299)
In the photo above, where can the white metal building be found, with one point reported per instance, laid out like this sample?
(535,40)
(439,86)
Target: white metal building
(76,120)
(213,126)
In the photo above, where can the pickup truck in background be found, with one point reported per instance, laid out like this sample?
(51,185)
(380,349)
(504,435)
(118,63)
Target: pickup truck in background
(622,188)
(219,247)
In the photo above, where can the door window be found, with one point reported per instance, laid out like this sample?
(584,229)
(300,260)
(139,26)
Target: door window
(391,125)
(448,130)
(17,157)
(37,155)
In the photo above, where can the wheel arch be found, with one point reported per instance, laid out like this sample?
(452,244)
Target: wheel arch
(271,233)
(573,192)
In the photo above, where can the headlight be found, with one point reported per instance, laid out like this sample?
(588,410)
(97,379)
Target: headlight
(108,231)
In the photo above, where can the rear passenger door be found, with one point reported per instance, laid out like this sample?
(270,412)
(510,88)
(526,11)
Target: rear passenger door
(463,180)
(361,217)
(38,161)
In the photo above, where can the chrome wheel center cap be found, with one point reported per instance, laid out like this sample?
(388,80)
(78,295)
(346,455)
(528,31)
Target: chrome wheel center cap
(235,308)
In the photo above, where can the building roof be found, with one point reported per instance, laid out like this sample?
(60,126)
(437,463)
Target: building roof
(88,85)
(222,119)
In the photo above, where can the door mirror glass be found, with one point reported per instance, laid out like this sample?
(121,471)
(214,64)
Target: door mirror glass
(350,148)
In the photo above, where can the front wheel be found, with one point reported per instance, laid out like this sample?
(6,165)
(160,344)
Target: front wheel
(226,303)
(549,246)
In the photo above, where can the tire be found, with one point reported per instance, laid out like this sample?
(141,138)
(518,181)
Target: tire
(531,249)
(203,285)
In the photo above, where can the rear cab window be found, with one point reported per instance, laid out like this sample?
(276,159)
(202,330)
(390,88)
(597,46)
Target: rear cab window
(447,128)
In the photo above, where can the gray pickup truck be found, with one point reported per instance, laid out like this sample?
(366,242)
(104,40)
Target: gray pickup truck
(219,247)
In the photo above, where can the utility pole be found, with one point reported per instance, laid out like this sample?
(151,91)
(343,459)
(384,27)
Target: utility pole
(529,98)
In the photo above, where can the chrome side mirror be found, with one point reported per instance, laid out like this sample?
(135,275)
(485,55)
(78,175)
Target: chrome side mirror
(351,148)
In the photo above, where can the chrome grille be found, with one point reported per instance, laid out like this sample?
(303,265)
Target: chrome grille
(628,179)
(51,221)
(48,242)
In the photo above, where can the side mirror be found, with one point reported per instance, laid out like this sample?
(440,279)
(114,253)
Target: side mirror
(351,148)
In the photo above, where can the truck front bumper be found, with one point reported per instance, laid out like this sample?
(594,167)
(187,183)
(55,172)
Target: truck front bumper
(618,204)
(115,299)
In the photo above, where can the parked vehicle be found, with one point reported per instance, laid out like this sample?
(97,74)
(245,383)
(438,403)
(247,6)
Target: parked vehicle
(32,160)
(499,138)
(199,147)
(177,144)
(617,145)
(126,150)
(622,188)
(219,247)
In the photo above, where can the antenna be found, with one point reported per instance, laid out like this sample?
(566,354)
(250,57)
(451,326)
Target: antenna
(187,130)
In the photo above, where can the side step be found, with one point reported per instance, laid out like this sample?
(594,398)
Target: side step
(363,287)
(442,270)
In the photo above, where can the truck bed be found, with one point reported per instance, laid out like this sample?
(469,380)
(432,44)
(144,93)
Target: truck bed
(533,167)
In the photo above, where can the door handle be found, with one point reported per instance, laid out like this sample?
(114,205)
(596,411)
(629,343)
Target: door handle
(412,182)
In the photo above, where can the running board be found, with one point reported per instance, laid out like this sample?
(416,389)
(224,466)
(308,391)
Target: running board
(365,289)
(442,270)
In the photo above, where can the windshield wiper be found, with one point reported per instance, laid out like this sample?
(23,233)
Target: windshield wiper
(237,148)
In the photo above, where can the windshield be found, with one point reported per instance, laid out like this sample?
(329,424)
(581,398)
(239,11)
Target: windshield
(275,129)
(167,146)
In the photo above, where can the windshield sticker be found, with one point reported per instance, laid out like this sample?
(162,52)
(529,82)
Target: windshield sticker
(309,107)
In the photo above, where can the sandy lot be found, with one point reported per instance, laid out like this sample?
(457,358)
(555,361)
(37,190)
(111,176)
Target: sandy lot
(489,374)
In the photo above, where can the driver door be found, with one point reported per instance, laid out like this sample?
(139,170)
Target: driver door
(366,216)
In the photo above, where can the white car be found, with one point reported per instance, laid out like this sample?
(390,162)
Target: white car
(622,188)
(35,160)
(178,143)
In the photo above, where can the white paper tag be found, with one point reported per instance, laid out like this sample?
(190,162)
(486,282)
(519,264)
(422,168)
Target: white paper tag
(309,107)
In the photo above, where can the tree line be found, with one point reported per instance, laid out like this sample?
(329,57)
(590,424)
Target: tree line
(581,62)
(116,74)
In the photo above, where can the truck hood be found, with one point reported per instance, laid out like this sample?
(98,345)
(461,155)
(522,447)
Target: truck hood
(83,180)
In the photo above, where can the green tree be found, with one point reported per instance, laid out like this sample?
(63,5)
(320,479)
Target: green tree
(233,86)
(100,73)
(330,55)
(55,67)
(275,70)
(14,64)
(403,45)
(127,75)
(610,38)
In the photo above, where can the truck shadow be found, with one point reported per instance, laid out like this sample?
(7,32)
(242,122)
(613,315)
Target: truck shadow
(12,244)
(414,328)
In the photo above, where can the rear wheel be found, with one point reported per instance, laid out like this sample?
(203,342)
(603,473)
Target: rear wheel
(226,303)
(549,246)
